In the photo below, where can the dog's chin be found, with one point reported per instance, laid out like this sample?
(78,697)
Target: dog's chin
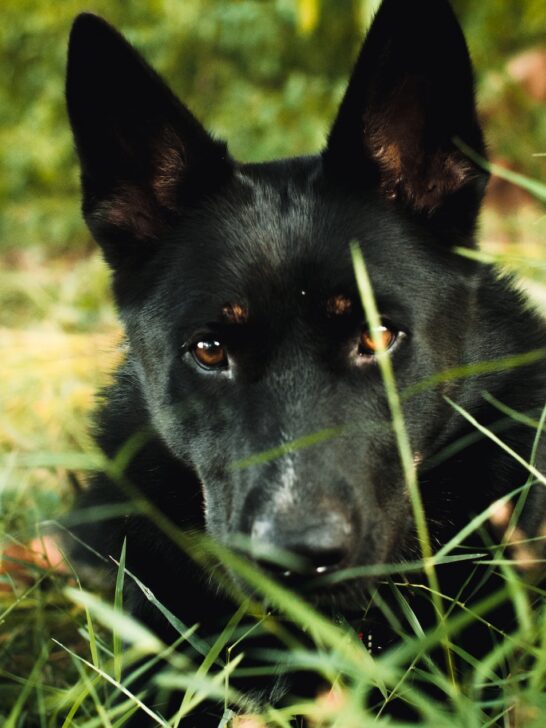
(350,597)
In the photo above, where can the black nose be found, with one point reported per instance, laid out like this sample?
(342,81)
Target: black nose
(321,545)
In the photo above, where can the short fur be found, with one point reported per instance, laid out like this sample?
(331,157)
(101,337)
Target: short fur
(257,257)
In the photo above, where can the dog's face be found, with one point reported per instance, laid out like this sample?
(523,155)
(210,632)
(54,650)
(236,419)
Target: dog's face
(238,293)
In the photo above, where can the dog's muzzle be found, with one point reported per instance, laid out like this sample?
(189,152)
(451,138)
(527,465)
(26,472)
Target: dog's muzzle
(305,545)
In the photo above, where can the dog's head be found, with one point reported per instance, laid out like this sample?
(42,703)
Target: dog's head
(237,288)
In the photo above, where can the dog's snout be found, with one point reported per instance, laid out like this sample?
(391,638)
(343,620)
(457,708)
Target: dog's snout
(310,546)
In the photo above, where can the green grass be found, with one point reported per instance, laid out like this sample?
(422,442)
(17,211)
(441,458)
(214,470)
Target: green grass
(66,649)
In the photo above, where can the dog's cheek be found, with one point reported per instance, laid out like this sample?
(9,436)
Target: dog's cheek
(427,420)
(390,530)
(383,504)
(217,504)
(188,425)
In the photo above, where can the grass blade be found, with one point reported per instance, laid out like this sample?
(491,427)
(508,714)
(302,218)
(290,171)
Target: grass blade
(118,607)
(404,448)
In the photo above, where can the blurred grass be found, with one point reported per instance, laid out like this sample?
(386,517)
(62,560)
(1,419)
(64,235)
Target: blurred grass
(284,62)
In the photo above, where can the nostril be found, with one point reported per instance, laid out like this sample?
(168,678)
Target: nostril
(328,559)
(314,545)
(311,553)
(320,560)
(277,570)
(307,562)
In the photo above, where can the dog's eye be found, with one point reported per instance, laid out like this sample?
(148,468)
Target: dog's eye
(210,354)
(367,345)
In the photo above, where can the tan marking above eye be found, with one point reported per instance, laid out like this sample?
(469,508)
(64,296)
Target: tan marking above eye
(368,345)
(338,305)
(234,313)
(210,354)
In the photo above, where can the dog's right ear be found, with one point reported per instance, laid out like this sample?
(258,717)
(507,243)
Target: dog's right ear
(143,155)
(409,100)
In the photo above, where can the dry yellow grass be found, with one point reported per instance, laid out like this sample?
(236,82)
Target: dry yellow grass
(51,379)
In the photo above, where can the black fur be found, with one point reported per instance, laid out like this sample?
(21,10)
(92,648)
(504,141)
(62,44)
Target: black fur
(188,231)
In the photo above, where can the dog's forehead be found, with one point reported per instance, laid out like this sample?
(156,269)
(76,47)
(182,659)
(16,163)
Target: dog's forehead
(272,213)
(282,230)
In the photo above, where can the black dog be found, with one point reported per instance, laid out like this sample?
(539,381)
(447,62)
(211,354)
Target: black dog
(245,328)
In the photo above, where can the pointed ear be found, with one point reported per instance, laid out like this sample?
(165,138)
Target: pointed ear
(411,94)
(143,155)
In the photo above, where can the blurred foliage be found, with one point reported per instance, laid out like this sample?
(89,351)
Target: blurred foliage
(265,74)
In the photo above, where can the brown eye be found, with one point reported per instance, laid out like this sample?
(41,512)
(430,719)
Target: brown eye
(210,354)
(367,346)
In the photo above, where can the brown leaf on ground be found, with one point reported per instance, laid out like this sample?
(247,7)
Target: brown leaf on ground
(21,561)
(527,555)
(248,721)
(505,196)
(528,69)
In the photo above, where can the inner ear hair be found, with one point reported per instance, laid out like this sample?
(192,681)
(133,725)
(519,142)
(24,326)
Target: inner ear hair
(414,163)
(138,205)
(169,162)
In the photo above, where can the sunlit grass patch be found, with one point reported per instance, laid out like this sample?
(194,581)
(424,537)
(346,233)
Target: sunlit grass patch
(51,373)
(53,381)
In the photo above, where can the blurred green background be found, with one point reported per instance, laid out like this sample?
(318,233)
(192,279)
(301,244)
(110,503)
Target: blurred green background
(265,74)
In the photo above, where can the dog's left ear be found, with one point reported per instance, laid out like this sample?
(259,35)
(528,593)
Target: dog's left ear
(143,155)
(410,96)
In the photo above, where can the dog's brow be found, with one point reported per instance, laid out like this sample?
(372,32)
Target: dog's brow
(338,305)
(235,313)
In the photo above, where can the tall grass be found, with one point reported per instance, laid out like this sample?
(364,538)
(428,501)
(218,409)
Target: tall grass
(71,656)
(111,647)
